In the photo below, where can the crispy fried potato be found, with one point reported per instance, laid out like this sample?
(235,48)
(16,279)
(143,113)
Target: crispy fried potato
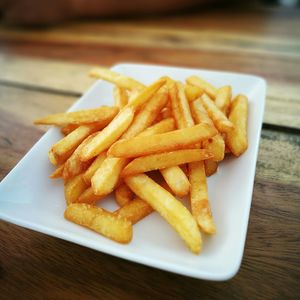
(123,194)
(108,135)
(120,96)
(107,176)
(160,127)
(208,88)
(101,115)
(175,213)
(220,120)
(164,160)
(236,140)
(101,221)
(211,167)
(192,92)
(58,172)
(199,198)
(68,129)
(74,188)
(223,98)
(176,180)
(134,211)
(88,196)
(116,78)
(199,113)
(174,140)
(175,106)
(73,165)
(88,174)
(64,148)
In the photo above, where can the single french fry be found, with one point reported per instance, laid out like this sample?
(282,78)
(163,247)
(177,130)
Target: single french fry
(134,211)
(208,88)
(220,120)
(64,148)
(123,194)
(160,127)
(108,135)
(107,176)
(74,188)
(192,92)
(145,117)
(199,198)
(173,140)
(73,165)
(120,96)
(58,172)
(199,113)
(223,98)
(116,78)
(211,167)
(184,107)
(88,196)
(175,213)
(236,140)
(164,160)
(101,221)
(101,115)
(175,106)
(68,129)
(88,174)
(176,180)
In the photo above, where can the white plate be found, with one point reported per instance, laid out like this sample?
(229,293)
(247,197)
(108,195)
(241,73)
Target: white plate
(30,199)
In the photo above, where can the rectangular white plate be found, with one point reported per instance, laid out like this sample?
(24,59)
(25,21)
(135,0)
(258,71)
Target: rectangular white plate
(30,199)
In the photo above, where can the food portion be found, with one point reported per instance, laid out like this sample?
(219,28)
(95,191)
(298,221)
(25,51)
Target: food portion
(159,143)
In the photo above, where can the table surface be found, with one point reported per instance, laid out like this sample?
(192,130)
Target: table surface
(44,71)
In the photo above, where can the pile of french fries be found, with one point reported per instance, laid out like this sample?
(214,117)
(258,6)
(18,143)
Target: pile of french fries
(179,132)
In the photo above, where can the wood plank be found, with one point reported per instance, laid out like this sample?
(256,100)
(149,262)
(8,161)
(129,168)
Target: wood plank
(282,107)
(270,266)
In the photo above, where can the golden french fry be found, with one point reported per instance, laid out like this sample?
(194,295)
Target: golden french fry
(73,165)
(184,107)
(58,172)
(108,135)
(116,78)
(160,127)
(88,196)
(176,180)
(175,106)
(223,98)
(101,115)
(64,148)
(68,129)
(208,88)
(236,140)
(211,167)
(88,174)
(173,140)
(145,117)
(123,194)
(175,213)
(120,96)
(107,176)
(134,211)
(74,188)
(220,120)
(164,160)
(199,113)
(192,92)
(199,198)
(101,221)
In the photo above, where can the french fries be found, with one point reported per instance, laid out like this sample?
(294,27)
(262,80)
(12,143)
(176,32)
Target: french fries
(175,213)
(173,140)
(101,221)
(236,140)
(164,160)
(178,132)
(101,115)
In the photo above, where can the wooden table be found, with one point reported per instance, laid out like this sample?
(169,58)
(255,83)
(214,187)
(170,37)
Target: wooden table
(44,71)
